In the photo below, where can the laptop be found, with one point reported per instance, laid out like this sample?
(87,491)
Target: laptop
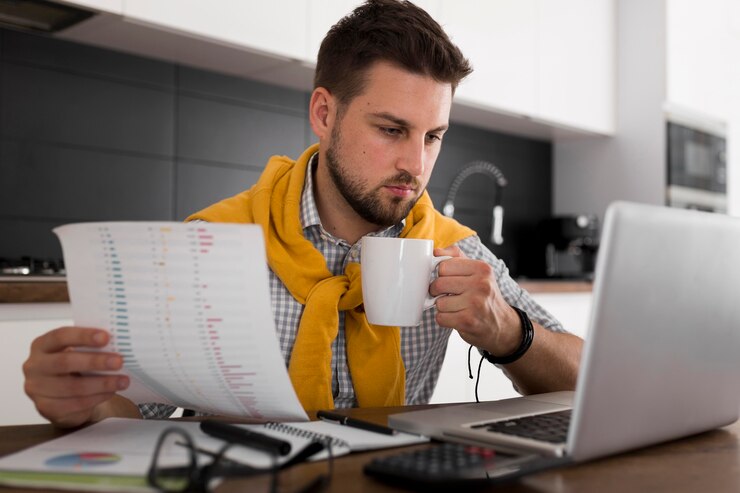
(660,358)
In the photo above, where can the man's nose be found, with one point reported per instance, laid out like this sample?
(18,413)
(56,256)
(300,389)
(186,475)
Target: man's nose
(413,158)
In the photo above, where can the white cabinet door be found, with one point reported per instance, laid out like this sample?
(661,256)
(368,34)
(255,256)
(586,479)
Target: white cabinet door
(20,324)
(18,409)
(499,38)
(454,384)
(277,27)
(552,61)
(576,63)
(571,309)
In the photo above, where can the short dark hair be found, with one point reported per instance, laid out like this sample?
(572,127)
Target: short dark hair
(394,31)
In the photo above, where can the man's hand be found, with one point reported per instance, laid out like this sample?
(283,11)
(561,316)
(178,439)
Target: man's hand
(55,383)
(474,305)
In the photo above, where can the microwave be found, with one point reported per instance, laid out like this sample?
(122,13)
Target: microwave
(697,164)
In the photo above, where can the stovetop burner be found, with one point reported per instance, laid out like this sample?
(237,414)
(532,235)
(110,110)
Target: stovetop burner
(30,266)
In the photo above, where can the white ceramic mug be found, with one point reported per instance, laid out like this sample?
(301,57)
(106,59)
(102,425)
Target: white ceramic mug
(396,273)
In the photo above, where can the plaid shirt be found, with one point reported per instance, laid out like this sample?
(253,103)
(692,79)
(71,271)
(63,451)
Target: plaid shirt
(422,348)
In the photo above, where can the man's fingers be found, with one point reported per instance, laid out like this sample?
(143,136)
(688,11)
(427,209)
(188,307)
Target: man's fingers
(464,267)
(448,286)
(67,387)
(53,374)
(452,251)
(67,362)
(70,412)
(64,337)
(450,304)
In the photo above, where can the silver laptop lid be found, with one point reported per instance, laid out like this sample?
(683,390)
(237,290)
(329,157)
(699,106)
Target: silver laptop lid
(666,310)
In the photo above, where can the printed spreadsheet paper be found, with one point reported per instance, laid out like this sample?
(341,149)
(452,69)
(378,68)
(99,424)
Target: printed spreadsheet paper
(188,307)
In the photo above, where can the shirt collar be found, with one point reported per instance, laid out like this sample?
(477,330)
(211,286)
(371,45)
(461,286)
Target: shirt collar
(309,211)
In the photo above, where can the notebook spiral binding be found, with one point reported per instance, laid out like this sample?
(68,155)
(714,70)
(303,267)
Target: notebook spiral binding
(311,435)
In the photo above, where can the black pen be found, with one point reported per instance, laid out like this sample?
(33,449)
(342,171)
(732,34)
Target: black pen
(354,423)
(242,436)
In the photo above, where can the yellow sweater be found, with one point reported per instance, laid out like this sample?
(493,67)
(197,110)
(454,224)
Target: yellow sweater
(373,352)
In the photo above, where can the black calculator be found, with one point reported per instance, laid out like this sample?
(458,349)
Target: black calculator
(448,465)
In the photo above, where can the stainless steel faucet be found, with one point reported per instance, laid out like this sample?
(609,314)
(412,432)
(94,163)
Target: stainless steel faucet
(488,169)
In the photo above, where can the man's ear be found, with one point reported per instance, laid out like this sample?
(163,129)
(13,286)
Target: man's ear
(322,112)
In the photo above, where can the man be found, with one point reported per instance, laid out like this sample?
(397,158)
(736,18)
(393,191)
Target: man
(384,83)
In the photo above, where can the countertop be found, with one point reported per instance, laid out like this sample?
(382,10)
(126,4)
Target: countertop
(37,289)
(537,286)
(54,289)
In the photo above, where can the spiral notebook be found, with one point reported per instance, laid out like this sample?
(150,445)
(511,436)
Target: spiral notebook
(343,439)
(115,454)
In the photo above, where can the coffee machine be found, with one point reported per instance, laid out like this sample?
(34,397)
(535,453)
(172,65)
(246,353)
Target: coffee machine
(568,246)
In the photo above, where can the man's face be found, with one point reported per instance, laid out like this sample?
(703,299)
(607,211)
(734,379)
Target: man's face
(384,144)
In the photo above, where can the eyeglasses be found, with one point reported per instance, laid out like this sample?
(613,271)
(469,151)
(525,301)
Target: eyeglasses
(175,467)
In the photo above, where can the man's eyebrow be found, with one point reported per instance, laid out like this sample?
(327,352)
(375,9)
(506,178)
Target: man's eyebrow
(404,123)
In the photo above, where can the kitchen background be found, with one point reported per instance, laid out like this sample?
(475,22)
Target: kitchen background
(151,109)
(89,134)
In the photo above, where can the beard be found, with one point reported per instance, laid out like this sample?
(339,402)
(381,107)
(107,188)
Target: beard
(370,204)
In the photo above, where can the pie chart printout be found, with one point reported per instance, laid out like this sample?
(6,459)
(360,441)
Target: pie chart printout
(83,460)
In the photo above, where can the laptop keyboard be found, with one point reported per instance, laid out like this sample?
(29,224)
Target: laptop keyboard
(549,427)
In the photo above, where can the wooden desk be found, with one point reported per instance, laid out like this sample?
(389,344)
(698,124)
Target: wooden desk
(709,462)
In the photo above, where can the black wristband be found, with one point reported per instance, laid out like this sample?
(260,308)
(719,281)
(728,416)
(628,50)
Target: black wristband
(527,338)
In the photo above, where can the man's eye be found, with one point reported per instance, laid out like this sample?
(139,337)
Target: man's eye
(434,138)
(390,131)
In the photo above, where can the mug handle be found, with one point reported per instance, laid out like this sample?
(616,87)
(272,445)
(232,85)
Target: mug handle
(429,301)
